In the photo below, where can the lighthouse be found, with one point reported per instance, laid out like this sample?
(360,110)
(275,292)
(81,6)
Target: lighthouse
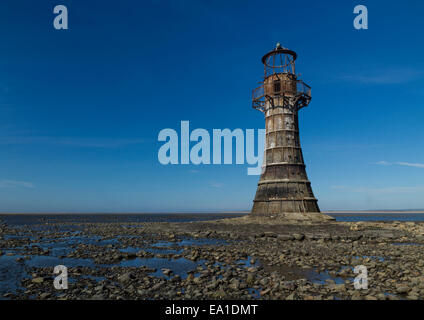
(283,189)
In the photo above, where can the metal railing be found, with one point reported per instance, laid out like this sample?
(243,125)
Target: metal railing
(303,88)
(279,88)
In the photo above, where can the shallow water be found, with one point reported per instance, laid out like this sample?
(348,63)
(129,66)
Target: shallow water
(376,216)
(125,219)
(322,277)
(12,271)
(408,244)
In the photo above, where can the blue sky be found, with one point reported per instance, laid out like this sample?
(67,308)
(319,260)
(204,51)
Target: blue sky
(81,109)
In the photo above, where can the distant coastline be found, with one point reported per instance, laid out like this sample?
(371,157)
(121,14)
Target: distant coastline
(217,213)
(374,212)
(128,213)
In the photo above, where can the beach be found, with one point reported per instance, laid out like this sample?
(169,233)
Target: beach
(208,257)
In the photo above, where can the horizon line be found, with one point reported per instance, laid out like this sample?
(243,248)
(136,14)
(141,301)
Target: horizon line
(207,212)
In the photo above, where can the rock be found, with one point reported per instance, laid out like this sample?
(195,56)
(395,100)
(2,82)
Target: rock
(190,277)
(250,279)
(298,237)
(287,285)
(212,285)
(126,277)
(220,294)
(290,297)
(337,287)
(235,284)
(270,234)
(171,293)
(266,291)
(355,227)
(387,236)
(381,296)
(141,292)
(141,253)
(167,272)
(45,295)
(38,280)
(176,278)
(402,289)
(99,288)
(158,286)
(131,256)
(285,237)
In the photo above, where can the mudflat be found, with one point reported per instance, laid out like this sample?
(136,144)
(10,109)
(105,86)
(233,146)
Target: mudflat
(230,258)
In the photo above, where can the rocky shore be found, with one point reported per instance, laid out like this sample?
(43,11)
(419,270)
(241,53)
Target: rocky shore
(235,258)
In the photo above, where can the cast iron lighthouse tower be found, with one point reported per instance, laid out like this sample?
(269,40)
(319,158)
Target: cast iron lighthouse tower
(283,189)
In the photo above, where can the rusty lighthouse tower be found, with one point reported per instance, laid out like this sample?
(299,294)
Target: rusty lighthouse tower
(283,189)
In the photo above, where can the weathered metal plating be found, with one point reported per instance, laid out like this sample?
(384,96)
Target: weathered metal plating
(283,187)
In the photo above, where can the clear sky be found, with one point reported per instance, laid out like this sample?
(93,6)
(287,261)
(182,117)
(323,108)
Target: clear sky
(81,109)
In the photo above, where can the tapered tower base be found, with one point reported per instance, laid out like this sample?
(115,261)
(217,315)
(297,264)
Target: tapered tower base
(290,218)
